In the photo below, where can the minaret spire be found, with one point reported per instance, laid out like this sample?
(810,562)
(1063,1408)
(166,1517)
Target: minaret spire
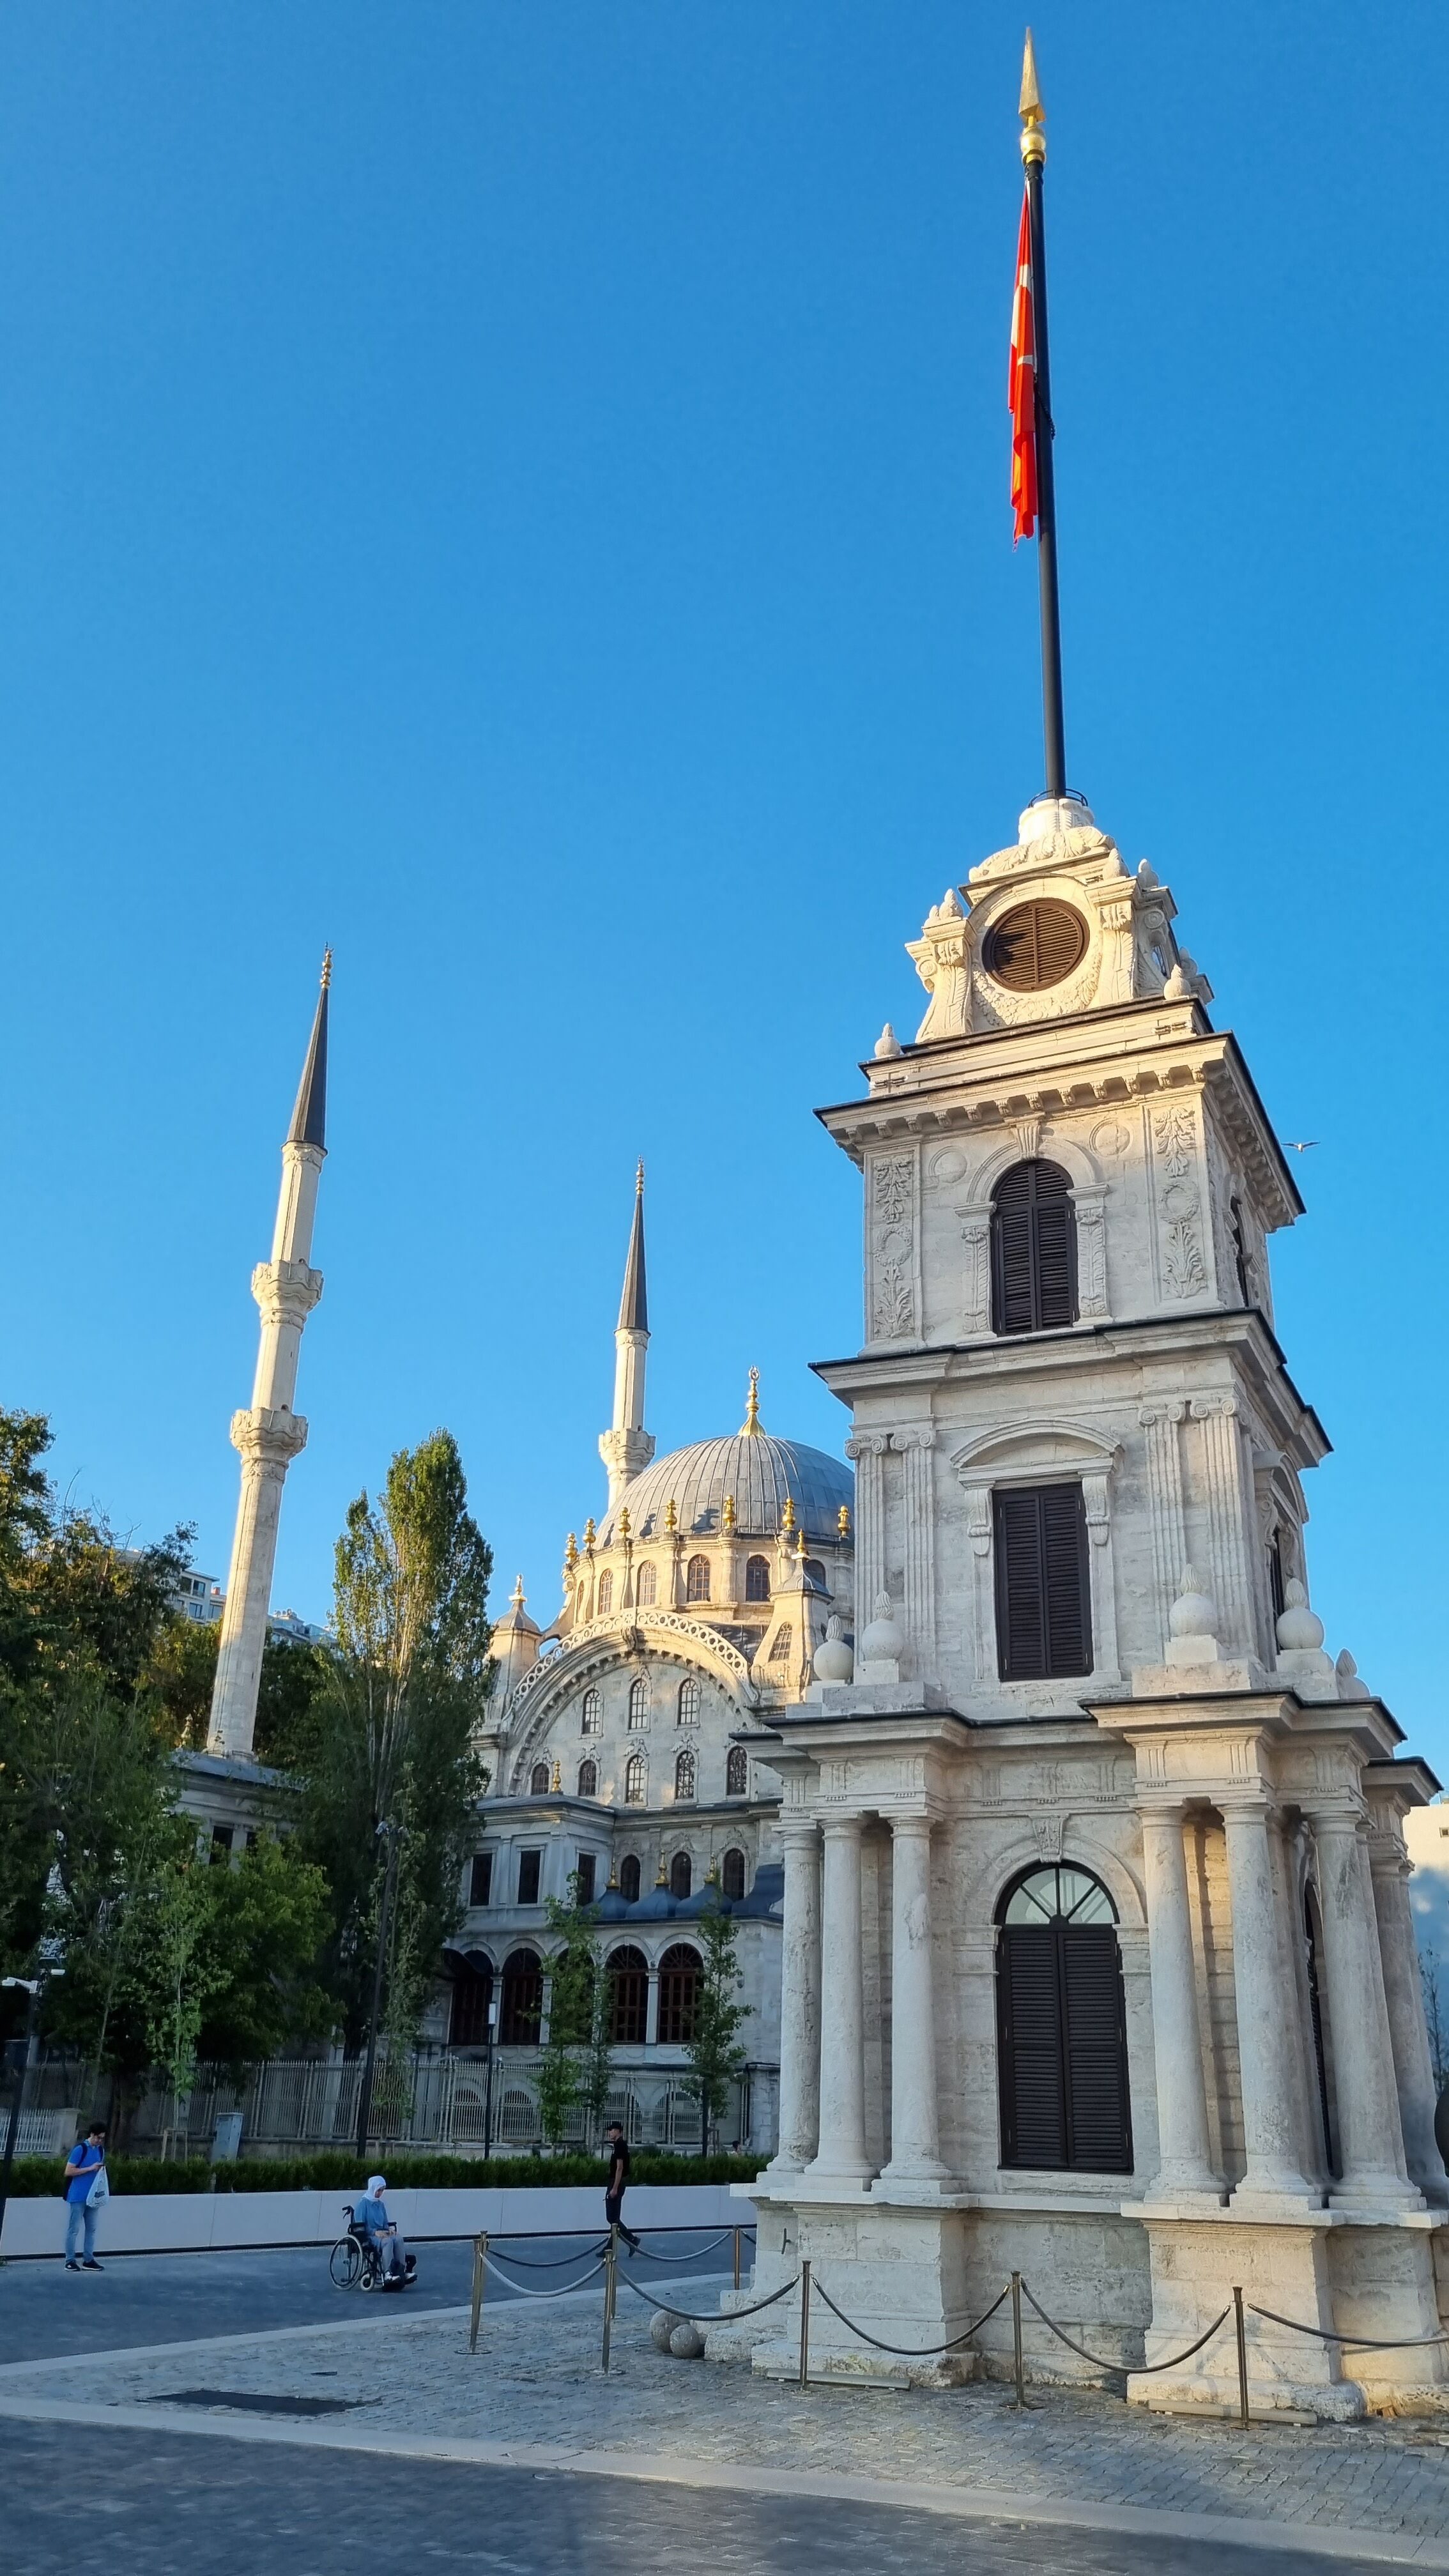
(1042,430)
(268,1433)
(626,1447)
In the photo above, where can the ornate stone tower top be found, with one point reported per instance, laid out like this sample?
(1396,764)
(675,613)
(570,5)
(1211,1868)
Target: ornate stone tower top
(269,1433)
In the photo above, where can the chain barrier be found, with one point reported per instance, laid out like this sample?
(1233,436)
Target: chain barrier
(713,2317)
(556,2263)
(910,2352)
(1363,2343)
(1137,2369)
(565,2292)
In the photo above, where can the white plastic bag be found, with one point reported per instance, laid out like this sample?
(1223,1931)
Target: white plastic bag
(100,2190)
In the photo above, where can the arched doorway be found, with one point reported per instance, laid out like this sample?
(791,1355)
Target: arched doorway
(1061,2025)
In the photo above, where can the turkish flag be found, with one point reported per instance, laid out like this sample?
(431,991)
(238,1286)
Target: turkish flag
(1021,387)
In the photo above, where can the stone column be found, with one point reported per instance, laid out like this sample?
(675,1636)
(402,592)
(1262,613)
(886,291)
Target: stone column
(1164,1487)
(868,1449)
(920,1546)
(1403,1993)
(976,1272)
(841,2156)
(915,2135)
(1182,2126)
(1221,1459)
(268,1440)
(1363,2062)
(651,2010)
(1264,2043)
(799,1998)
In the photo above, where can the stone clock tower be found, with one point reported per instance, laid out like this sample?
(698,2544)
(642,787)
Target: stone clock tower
(1098,1958)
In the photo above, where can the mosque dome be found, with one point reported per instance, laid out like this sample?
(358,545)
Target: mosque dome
(760,1472)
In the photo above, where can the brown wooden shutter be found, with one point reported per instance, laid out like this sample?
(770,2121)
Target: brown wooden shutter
(1033,1250)
(1033,2097)
(1098,2113)
(1043,1598)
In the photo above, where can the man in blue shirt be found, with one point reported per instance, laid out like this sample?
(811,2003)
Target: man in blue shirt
(372,2214)
(83,2164)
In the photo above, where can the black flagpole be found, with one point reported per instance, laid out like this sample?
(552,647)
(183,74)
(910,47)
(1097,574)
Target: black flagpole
(1033,153)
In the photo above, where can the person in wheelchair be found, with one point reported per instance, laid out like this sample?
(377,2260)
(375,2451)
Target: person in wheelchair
(395,2264)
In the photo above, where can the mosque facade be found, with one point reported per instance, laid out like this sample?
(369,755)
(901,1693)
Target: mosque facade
(630,1751)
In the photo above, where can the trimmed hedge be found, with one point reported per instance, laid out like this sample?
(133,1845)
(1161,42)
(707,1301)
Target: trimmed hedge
(39,2177)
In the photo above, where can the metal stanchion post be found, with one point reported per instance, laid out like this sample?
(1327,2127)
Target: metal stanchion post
(1017,2353)
(737,2258)
(1242,2356)
(611,2257)
(480,2262)
(805,2324)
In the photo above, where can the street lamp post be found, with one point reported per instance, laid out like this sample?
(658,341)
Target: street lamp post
(488,2076)
(392,1835)
(12,2129)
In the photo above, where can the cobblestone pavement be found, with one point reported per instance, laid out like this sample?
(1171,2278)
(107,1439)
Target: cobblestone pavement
(536,2380)
(155,2505)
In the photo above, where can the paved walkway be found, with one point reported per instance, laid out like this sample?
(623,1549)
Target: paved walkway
(534,2396)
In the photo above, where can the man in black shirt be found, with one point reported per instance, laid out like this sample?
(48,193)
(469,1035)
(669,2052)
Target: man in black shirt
(618,2184)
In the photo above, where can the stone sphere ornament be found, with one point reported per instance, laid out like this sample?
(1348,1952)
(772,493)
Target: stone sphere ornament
(687,2343)
(1194,1613)
(1300,1630)
(834,1661)
(883,1642)
(661,2326)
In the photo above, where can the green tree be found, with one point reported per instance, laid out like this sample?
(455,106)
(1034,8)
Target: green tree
(575,2068)
(269,1923)
(716,2056)
(182,1672)
(390,1732)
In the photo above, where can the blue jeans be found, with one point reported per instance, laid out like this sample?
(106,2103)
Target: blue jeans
(78,2214)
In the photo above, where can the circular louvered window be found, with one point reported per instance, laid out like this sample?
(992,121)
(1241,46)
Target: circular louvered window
(1035,944)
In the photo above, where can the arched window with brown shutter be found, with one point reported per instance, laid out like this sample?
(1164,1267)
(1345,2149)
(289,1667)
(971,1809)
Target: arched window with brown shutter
(588,1779)
(1033,1250)
(681,1875)
(1061,2026)
(732,1876)
(678,1995)
(522,1999)
(627,1970)
(538,1780)
(630,1878)
(757,1578)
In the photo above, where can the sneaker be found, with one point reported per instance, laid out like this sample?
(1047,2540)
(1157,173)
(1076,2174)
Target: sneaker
(71,2264)
(91,2265)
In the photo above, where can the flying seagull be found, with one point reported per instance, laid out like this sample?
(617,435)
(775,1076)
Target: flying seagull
(1300,1145)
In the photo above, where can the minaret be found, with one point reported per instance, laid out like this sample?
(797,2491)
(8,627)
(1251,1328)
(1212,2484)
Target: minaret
(269,1434)
(626,1447)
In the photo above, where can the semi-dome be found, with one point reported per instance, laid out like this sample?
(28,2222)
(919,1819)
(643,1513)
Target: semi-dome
(757,1469)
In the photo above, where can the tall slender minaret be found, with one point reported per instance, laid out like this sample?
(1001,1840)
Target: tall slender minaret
(626,1447)
(269,1434)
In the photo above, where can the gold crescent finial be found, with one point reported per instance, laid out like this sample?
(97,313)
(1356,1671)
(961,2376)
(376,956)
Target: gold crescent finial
(1029,107)
(639,1179)
(326,968)
(751,1422)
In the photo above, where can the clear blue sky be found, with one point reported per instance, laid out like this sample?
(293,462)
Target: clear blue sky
(520,491)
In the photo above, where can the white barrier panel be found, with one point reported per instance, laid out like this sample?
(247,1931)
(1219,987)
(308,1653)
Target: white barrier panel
(180,2222)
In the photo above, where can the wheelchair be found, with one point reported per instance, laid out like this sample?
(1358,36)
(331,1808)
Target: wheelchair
(355,2263)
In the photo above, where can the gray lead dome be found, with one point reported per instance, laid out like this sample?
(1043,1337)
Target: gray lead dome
(759,1470)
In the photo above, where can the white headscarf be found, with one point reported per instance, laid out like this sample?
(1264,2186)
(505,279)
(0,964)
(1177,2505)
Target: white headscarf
(376,2186)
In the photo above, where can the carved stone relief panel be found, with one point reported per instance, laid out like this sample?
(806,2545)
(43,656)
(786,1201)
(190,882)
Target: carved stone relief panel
(1177,1191)
(894,1238)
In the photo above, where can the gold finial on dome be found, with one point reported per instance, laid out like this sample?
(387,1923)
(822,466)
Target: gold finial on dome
(326,968)
(787,1523)
(842,1521)
(590,1534)
(751,1424)
(671,1520)
(517,1596)
(800,1546)
(571,1553)
(626,1526)
(727,1515)
(663,1879)
(556,1783)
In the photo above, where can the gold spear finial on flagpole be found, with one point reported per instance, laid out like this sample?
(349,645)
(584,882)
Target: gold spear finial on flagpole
(1030,109)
